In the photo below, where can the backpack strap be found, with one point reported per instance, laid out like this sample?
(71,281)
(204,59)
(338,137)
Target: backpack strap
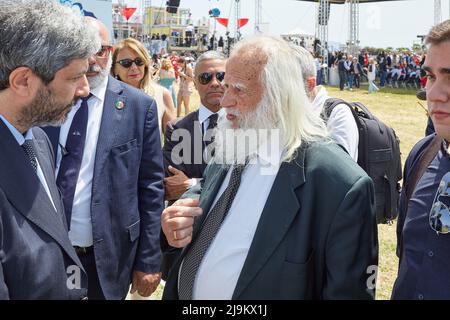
(328,107)
(419,168)
(330,104)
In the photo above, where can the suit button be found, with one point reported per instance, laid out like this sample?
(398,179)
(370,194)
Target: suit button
(420,296)
(430,254)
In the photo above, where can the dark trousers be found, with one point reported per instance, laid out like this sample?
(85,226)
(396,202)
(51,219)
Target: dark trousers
(383,76)
(357,80)
(350,80)
(319,77)
(94,289)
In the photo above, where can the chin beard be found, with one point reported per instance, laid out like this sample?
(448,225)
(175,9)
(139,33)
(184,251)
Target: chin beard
(44,110)
(95,81)
(258,133)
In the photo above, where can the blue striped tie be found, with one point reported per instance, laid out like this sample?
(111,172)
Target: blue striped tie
(71,160)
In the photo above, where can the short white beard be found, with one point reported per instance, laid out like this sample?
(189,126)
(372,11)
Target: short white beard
(257,129)
(97,80)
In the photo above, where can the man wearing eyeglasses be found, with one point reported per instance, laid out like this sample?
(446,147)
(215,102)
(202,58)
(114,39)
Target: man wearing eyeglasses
(186,160)
(44,51)
(423,239)
(110,173)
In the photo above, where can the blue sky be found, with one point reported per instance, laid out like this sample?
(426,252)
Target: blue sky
(383,24)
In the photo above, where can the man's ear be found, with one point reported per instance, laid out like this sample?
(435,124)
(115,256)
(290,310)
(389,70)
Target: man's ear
(22,81)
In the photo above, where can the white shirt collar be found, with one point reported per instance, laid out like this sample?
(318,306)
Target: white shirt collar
(99,93)
(204,113)
(269,159)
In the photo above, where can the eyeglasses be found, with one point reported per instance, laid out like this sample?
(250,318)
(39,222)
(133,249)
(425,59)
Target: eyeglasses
(104,51)
(439,217)
(127,63)
(206,77)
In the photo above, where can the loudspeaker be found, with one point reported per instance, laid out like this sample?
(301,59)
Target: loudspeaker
(172,6)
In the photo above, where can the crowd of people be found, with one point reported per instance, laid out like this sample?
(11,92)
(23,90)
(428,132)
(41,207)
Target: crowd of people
(254,195)
(393,69)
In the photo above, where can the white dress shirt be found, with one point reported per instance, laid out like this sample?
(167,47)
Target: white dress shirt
(80,232)
(203,117)
(341,123)
(21,140)
(222,264)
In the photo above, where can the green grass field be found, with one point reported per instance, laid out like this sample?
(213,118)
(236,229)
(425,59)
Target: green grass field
(400,109)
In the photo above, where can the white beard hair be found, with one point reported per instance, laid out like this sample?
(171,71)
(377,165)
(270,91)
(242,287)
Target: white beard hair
(95,81)
(235,145)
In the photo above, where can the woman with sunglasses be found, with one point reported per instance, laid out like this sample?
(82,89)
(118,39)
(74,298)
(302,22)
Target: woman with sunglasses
(186,75)
(167,77)
(131,64)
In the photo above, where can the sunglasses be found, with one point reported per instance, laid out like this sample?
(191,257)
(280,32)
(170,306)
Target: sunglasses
(104,51)
(439,217)
(206,77)
(127,63)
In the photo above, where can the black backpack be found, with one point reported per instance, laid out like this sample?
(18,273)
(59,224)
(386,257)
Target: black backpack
(378,155)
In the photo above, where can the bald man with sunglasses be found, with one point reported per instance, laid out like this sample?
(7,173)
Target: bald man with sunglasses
(187,146)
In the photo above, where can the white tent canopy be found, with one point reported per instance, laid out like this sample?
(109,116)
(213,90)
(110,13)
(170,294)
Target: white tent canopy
(297,32)
(300,37)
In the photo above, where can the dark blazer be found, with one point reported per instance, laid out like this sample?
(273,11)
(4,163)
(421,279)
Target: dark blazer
(195,164)
(127,188)
(341,65)
(317,234)
(37,260)
(360,69)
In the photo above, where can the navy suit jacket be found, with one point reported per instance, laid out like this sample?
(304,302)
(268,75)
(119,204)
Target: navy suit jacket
(191,169)
(317,235)
(127,188)
(37,260)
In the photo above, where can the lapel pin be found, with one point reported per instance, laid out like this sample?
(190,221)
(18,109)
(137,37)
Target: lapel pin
(120,105)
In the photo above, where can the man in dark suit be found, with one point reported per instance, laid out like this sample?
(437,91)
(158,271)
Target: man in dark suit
(288,215)
(342,71)
(110,172)
(184,166)
(42,71)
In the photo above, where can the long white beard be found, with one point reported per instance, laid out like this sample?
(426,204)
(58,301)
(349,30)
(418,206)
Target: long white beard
(258,133)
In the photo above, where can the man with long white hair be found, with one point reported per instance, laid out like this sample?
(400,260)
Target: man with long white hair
(305,229)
